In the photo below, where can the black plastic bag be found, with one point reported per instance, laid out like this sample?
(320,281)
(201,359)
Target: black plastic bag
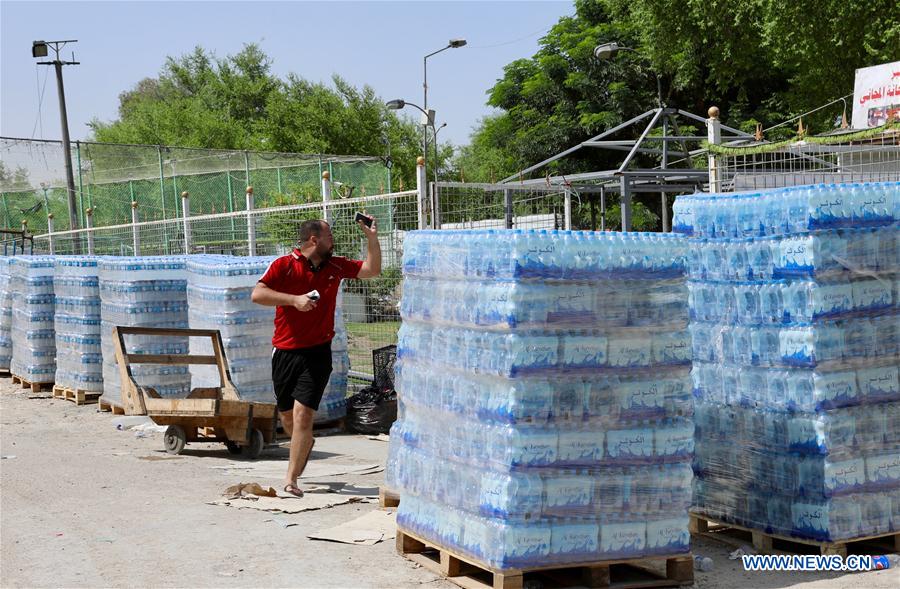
(371,411)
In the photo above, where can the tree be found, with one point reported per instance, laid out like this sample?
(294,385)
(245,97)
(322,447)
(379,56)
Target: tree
(199,100)
(760,60)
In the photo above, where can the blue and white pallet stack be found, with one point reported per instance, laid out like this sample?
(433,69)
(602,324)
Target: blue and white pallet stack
(144,292)
(545,402)
(33,340)
(5,315)
(218,295)
(334,399)
(79,360)
(795,317)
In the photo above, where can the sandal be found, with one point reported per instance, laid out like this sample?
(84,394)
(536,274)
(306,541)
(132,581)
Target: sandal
(294,490)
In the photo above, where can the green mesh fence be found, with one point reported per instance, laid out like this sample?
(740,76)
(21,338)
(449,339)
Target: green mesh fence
(109,177)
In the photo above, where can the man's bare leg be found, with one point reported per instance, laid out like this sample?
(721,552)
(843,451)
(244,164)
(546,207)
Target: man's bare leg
(301,441)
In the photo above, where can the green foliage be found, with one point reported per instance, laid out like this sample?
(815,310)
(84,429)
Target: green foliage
(759,60)
(11,180)
(199,100)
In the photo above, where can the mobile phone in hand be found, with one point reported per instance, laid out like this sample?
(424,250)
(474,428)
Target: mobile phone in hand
(313,295)
(364,219)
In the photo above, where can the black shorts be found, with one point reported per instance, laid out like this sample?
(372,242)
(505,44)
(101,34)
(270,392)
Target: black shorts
(301,375)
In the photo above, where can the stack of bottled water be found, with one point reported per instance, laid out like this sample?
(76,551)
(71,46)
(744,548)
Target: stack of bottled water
(79,360)
(796,343)
(545,398)
(218,295)
(5,315)
(144,292)
(33,340)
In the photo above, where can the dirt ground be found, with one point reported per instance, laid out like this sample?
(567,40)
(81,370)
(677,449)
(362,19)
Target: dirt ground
(81,506)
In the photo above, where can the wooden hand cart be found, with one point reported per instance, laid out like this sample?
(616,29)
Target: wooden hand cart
(214,414)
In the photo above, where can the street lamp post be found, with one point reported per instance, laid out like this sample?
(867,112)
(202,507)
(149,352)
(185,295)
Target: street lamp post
(429,118)
(40,49)
(607,51)
(436,131)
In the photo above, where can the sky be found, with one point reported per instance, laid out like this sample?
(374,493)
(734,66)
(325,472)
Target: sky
(377,43)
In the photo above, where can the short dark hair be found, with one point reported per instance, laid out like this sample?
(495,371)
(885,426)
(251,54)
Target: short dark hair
(310,228)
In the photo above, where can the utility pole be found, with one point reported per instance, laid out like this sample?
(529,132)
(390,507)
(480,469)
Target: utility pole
(39,49)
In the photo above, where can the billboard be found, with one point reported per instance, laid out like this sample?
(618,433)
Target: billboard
(876,95)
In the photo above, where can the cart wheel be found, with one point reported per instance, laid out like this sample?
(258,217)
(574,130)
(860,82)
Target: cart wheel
(255,446)
(174,439)
(233,447)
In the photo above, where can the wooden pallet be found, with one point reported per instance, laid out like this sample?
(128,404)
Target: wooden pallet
(105,405)
(620,574)
(36,387)
(5,374)
(737,536)
(80,397)
(387,500)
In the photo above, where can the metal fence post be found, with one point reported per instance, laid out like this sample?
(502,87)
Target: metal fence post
(625,202)
(251,224)
(89,224)
(326,196)
(80,182)
(186,212)
(714,137)
(602,208)
(508,206)
(435,206)
(135,232)
(421,188)
(162,196)
(664,202)
(247,167)
(567,209)
(50,233)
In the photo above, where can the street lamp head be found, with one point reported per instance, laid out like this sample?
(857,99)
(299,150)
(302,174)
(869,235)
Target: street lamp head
(606,50)
(395,104)
(39,49)
(457,43)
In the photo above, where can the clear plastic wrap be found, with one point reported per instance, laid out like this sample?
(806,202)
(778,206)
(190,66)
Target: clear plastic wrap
(79,358)
(5,314)
(144,292)
(32,335)
(795,323)
(557,365)
(788,210)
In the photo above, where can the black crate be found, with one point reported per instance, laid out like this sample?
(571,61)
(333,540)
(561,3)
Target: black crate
(383,362)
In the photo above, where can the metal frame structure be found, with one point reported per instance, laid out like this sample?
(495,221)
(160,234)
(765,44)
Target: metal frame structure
(627,180)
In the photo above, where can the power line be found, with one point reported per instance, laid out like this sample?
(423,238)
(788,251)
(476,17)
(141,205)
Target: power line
(40,91)
(528,36)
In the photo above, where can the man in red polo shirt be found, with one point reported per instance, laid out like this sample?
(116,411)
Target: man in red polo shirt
(304,327)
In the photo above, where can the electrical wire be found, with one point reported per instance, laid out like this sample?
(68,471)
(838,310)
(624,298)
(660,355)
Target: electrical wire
(528,36)
(40,90)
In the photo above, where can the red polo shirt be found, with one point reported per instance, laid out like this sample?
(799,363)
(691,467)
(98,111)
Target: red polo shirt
(292,274)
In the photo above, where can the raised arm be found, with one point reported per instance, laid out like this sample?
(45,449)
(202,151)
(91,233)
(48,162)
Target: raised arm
(372,265)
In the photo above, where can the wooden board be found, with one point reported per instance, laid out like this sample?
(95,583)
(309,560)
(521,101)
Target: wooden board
(735,535)
(36,387)
(78,396)
(106,405)
(387,500)
(466,572)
